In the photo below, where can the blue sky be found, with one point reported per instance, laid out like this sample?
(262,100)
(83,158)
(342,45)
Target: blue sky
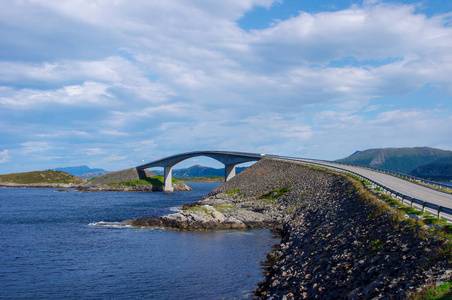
(111,84)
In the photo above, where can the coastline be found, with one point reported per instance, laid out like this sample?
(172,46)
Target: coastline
(38,185)
(97,188)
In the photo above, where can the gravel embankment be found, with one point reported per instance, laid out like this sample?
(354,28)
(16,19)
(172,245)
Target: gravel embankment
(334,244)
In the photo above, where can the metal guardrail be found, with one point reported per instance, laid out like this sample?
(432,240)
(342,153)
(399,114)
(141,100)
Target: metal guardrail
(422,205)
(402,175)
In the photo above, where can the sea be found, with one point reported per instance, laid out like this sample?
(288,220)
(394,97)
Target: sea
(71,245)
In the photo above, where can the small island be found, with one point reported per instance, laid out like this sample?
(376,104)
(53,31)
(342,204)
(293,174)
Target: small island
(41,179)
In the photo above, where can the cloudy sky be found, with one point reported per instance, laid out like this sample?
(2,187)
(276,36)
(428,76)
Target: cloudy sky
(113,83)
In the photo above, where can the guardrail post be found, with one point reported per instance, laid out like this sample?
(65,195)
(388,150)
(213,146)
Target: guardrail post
(423,206)
(439,212)
(412,201)
(403,198)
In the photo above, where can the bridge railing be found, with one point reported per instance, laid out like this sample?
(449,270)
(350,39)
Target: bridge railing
(438,210)
(402,175)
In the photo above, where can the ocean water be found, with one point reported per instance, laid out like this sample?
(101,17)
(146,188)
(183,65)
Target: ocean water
(57,245)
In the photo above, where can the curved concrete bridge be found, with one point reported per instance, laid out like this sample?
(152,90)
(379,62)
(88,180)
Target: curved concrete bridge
(229,159)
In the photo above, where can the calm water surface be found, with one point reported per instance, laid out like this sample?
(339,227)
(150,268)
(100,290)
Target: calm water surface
(51,246)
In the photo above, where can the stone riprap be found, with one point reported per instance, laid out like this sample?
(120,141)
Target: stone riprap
(335,244)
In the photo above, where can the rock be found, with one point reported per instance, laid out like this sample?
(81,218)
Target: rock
(218,216)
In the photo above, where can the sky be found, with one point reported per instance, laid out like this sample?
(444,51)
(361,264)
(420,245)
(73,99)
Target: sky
(113,83)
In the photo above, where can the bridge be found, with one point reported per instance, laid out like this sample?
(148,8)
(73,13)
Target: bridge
(415,194)
(228,158)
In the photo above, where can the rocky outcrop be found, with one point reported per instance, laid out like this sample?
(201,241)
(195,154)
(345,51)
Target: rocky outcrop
(120,176)
(220,211)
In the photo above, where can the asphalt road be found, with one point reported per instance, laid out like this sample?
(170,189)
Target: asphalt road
(397,184)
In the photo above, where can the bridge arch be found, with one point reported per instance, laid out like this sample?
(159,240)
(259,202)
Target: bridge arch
(228,158)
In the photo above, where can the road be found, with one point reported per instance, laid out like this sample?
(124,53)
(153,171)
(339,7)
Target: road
(397,184)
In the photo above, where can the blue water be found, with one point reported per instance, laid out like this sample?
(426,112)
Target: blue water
(51,247)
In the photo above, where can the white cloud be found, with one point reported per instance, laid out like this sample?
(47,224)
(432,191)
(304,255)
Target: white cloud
(32,147)
(4,156)
(94,151)
(181,75)
(87,93)
(66,133)
(112,132)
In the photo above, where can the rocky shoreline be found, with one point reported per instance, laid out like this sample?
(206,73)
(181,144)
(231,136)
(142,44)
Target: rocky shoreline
(336,244)
(178,187)
(100,188)
(39,185)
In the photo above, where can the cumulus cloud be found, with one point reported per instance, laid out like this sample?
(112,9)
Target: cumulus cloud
(182,75)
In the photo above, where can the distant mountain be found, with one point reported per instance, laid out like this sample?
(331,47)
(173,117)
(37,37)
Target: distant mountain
(83,171)
(404,160)
(198,171)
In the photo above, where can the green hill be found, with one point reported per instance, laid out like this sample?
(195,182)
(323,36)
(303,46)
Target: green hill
(198,171)
(440,171)
(404,160)
(40,177)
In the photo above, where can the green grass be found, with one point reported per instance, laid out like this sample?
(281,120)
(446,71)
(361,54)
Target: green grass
(223,208)
(233,192)
(441,292)
(199,208)
(207,211)
(275,194)
(376,246)
(157,180)
(429,219)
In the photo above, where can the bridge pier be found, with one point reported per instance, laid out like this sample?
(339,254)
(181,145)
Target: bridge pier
(168,179)
(229,172)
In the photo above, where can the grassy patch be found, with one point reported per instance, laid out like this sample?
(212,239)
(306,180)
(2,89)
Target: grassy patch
(441,292)
(376,246)
(275,194)
(224,208)
(208,210)
(233,192)
(157,180)
(290,208)
(405,209)
(199,208)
